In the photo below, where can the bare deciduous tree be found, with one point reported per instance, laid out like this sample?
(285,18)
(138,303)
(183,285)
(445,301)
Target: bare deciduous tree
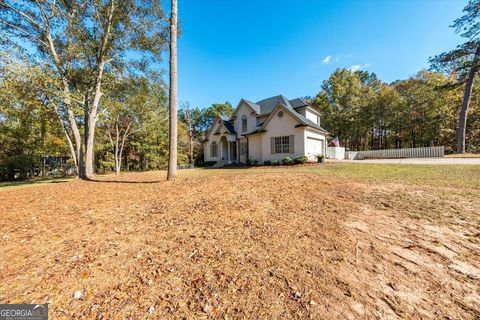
(82,42)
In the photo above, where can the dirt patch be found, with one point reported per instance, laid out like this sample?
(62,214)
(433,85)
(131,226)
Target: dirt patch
(259,246)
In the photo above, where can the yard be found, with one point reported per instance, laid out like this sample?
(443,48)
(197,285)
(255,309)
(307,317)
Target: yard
(334,241)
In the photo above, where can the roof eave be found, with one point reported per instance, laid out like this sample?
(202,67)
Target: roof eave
(253,133)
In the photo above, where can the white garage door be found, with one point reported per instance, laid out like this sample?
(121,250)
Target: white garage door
(314,147)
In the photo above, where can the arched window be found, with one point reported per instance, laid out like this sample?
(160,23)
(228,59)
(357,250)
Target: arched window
(214,149)
(244,123)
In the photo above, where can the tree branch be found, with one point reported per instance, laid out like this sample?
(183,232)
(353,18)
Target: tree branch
(22,13)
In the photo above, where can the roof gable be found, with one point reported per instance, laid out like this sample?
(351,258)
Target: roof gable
(217,124)
(297,116)
(273,113)
(255,108)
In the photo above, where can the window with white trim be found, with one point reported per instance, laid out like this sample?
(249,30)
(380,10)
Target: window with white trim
(244,123)
(281,145)
(214,149)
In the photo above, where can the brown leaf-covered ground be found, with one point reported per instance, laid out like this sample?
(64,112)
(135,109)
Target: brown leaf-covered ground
(257,244)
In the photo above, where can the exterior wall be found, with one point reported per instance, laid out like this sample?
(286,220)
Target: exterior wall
(315,143)
(242,158)
(284,126)
(207,148)
(251,119)
(255,147)
(311,116)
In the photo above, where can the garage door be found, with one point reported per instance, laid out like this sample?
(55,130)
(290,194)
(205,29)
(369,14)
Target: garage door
(314,147)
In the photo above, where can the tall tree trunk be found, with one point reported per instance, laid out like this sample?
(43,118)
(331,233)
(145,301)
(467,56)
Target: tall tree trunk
(89,144)
(91,122)
(191,147)
(172,130)
(69,140)
(77,139)
(67,100)
(462,125)
(91,113)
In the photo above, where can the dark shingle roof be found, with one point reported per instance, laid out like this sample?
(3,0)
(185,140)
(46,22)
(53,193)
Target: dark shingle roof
(229,126)
(254,106)
(267,105)
(297,103)
(304,120)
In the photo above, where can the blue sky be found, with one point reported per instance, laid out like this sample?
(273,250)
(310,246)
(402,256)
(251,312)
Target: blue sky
(233,49)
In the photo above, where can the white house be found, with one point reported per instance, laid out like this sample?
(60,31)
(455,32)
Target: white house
(267,130)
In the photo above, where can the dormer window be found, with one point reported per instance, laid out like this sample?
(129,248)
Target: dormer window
(244,123)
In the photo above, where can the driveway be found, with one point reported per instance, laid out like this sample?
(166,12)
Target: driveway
(434,161)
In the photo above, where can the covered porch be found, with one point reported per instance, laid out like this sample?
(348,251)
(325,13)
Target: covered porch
(228,148)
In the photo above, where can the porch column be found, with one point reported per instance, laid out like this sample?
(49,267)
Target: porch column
(237,146)
(228,153)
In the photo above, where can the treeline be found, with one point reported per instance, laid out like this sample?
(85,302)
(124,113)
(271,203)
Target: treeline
(131,130)
(367,114)
(81,90)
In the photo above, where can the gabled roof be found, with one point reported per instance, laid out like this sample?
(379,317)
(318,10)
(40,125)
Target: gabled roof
(255,108)
(225,120)
(299,117)
(297,103)
(267,105)
(228,126)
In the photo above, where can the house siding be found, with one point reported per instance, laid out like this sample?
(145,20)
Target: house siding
(255,148)
(251,120)
(284,126)
(309,113)
(311,116)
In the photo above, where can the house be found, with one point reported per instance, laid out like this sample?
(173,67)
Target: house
(267,130)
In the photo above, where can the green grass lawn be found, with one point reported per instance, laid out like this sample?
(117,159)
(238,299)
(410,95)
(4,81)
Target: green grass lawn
(434,175)
(463,155)
(467,176)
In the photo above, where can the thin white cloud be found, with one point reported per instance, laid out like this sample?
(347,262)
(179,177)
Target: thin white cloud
(356,67)
(327,59)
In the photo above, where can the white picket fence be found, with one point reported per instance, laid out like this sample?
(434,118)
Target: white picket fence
(335,153)
(423,152)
